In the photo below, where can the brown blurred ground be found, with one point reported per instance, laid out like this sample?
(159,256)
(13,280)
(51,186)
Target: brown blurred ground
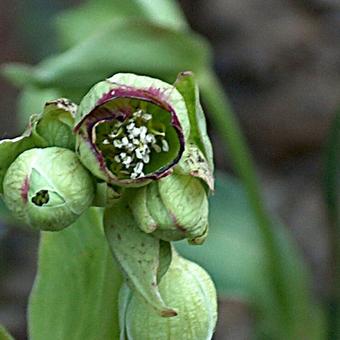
(280,64)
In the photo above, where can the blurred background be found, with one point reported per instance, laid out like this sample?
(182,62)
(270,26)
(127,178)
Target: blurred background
(279,62)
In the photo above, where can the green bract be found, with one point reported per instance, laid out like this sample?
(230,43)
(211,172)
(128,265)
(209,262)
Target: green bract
(131,129)
(188,288)
(48,188)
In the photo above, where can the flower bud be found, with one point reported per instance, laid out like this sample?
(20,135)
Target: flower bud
(47,188)
(173,208)
(188,288)
(131,129)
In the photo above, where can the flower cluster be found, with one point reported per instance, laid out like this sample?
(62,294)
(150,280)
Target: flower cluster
(137,147)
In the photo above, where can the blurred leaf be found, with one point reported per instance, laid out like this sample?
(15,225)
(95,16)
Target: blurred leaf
(331,181)
(235,257)
(4,335)
(32,100)
(124,46)
(77,23)
(75,295)
(19,74)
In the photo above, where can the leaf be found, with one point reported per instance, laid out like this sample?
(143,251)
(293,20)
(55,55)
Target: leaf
(235,257)
(134,45)
(138,255)
(4,335)
(79,22)
(75,294)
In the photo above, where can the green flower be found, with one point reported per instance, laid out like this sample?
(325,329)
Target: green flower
(131,129)
(47,188)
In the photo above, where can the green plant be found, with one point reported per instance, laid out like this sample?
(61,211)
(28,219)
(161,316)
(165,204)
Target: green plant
(264,268)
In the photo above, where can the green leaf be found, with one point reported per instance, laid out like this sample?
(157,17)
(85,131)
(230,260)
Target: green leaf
(138,255)
(4,335)
(235,257)
(75,295)
(126,45)
(79,22)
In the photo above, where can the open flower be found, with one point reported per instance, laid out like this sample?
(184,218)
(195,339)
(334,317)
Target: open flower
(131,129)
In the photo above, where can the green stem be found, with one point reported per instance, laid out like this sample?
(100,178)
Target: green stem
(226,124)
(331,192)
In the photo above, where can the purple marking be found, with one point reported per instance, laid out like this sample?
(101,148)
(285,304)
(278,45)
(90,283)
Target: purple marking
(24,190)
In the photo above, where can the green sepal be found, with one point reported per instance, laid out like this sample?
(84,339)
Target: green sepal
(165,92)
(194,163)
(56,122)
(186,84)
(173,208)
(140,256)
(121,93)
(53,127)
(106,195)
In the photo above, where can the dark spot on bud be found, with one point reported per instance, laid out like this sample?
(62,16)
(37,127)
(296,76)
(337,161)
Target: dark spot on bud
(40,198)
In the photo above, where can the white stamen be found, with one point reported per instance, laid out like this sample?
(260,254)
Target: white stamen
(125,141)
(147,116)
(106,141)
(117,143)
(165,145)
(157,148)
(139,167)
(150,138)
(143,132)
(136,132)
(146,158)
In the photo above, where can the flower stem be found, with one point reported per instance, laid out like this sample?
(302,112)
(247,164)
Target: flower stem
(226,124)
(331,193)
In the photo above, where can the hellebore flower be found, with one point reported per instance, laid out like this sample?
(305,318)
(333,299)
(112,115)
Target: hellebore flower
(188,288)
(131,129)
(48,188)
(42,180)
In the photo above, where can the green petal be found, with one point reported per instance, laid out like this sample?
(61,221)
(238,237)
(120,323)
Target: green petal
(138,255)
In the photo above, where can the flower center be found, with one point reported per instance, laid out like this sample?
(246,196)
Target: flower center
(41,197)
(128,146)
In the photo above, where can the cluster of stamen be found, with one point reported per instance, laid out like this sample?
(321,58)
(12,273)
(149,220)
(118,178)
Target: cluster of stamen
(133,141)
